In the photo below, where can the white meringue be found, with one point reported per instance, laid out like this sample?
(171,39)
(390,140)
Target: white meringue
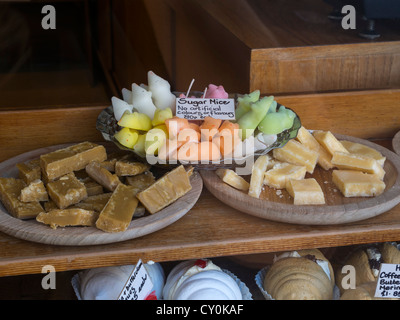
(190,281)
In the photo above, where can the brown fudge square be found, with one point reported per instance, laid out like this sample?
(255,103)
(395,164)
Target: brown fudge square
(66,191)
(60,162)
(29,171)
(10,190)
(35,191)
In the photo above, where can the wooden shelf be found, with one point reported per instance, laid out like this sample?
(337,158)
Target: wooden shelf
(211,228)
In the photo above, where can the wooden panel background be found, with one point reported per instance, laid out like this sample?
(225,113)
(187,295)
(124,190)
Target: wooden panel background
(363,114)
(23,131)
(326,68)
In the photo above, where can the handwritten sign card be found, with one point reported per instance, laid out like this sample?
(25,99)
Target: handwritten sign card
(388,285)
(199,108)
(139,284)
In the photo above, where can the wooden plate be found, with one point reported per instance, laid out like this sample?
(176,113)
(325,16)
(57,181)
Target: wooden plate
(396,143)
(32,230)
(278,205)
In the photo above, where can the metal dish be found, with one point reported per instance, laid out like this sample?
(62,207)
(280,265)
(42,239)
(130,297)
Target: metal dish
(108,126)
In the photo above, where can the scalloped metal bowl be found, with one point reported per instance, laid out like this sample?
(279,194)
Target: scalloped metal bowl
(108,126)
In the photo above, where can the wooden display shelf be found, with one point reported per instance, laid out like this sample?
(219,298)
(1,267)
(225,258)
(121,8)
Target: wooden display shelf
(275,47)
(211,228)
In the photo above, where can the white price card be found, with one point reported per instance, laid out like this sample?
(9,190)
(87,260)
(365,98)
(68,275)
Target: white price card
(199,108)
(138,286)
(388,285)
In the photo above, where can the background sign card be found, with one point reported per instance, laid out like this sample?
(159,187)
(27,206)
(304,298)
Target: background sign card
(199,108)
(139,284)
(388,285)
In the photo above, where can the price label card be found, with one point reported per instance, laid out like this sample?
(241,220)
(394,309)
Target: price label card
(138,286)
(199,108)
(388,285)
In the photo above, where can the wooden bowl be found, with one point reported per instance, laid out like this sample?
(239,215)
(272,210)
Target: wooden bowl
(396,143)
(32,230)
(277,205)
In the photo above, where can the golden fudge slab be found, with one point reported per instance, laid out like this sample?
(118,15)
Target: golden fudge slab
(35,191)
(130,168)
(118,212)
(29,171)
(68,217)
(350,161)
(233,179)
(66,191)
(328,141)
(49,205)
(305,191)
(353,183)
(141,181)
(92,187)
(94,203)
(102,176)
(363,150)
(278,176)
(60,162)
(112,159)
(10,190)
(296,153)
(165,190)
(306,138)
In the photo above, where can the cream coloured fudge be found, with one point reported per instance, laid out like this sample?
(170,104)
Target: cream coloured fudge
(329,141)
(363,150)
(278,176)
(305,191)
(233,179)
(306,138)
(350,161)
(352,183)
(296,153)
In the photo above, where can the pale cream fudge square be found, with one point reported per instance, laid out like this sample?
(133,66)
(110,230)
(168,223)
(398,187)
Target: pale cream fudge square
(353,183)
(307,139)
(363,150)
(233,179)
(281,173)
(305,191)
(296,153)
(329,141)
(349,161)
